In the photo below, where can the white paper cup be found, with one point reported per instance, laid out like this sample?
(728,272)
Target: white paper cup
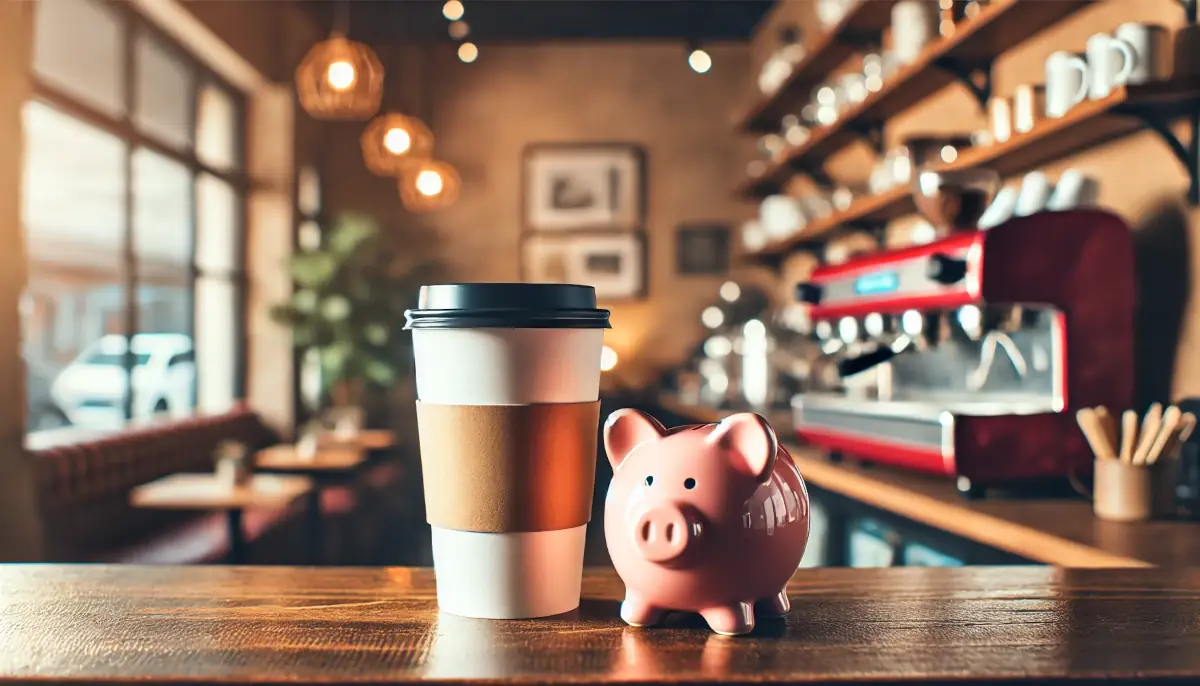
(507,344)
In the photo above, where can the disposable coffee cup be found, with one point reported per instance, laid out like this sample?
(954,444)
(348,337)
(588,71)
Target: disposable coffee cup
(508,406)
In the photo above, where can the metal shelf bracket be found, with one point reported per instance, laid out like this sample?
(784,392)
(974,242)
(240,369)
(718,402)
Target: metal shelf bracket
(1188,154)
(872,133)
(976,77)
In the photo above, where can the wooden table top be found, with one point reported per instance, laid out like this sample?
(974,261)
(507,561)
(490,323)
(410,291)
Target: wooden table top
(367,439)
(285,458)
(206,492)
(1058,531)
(258,625)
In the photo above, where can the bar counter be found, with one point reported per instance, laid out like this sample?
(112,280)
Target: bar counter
(257,625)
(1055,531)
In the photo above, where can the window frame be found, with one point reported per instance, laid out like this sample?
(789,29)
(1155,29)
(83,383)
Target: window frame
(133,26)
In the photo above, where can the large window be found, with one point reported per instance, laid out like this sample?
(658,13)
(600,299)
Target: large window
(133,211)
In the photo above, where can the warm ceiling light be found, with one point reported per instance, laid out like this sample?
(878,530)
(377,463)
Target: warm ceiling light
(467,52)
(429,182)
(340,75)
(429,185)
(453,10)
(397,141)
(700,61)
(459,30)
(340,79)
(608,359)
(393,143)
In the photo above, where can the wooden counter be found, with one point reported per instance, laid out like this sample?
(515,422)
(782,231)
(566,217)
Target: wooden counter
(284,625)
(1057,531)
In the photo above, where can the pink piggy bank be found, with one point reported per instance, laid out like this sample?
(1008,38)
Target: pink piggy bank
(710,518)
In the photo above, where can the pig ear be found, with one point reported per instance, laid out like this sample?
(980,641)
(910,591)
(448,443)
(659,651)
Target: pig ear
(750,440)
(625,430)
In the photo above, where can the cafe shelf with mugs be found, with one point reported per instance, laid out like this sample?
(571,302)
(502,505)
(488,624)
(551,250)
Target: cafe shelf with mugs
(928,63)
(1121,85)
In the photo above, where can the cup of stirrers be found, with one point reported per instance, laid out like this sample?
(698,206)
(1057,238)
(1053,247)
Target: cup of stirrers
(1134,467)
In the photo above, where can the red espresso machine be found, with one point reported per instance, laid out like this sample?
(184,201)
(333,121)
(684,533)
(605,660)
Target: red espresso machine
(968,357)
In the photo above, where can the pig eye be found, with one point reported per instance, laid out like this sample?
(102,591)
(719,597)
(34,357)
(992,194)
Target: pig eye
(649,481)
(689,484)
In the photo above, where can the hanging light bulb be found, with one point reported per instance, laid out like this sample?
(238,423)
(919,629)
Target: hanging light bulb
(392,143)
(429,185)
(700,61)
(340,75)
(429,182)
(453,10)
(340,79)
(467,52)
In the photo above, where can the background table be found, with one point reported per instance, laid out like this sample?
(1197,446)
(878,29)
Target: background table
(368,439)
(206,492)
(326,466)
(254,625)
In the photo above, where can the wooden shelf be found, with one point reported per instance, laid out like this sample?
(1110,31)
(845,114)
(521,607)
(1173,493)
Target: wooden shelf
(998,27)
(861,23)
(1087,125)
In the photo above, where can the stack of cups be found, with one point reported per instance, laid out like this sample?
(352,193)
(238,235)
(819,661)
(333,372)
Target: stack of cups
(508,387)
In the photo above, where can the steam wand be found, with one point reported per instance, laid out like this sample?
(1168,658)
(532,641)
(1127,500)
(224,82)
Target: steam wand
(977,378)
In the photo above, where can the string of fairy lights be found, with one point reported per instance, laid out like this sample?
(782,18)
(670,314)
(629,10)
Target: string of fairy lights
(459,29)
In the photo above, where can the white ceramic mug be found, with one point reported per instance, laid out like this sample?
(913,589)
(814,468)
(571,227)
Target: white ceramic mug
(1149,43)
(1074,189)
(1110,62)
(1029,105)
(914,24)
(1000,117)
(1034,194)
(1001,209)
(1066,82)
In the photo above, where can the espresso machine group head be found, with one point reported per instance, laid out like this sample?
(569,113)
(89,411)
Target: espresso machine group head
(977,349)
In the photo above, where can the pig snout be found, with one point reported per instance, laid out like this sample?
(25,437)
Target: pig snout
(664,533)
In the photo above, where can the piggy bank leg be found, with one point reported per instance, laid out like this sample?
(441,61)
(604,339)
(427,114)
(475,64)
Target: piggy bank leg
(730,620)
(775,606)
(637,612)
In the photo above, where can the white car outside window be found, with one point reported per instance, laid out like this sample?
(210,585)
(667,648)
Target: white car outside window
(91,390)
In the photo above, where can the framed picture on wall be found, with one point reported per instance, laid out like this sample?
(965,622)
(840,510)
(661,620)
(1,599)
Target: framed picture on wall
(587,186)
(702,249)
(614,263)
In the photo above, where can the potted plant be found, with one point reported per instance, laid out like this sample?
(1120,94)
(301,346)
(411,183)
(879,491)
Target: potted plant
(348,310)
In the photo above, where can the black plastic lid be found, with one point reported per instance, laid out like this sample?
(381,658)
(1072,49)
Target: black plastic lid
(507,305)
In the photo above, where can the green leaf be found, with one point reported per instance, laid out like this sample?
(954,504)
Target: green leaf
(304,301)
(350,233)
(336,308)
(313,269)
(305,336)
(376,334)
(335,359)
(379,372)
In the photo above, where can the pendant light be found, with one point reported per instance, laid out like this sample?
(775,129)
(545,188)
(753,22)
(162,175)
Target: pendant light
(429,185)
(340,78)
(393,142)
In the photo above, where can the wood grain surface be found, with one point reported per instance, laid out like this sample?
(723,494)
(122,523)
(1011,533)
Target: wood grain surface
(325,625)
(206,492)
(1057,531)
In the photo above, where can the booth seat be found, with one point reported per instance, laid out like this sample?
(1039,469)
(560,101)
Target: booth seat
(85,488)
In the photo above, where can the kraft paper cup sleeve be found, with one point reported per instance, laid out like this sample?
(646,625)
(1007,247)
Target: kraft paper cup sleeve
(508,468)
